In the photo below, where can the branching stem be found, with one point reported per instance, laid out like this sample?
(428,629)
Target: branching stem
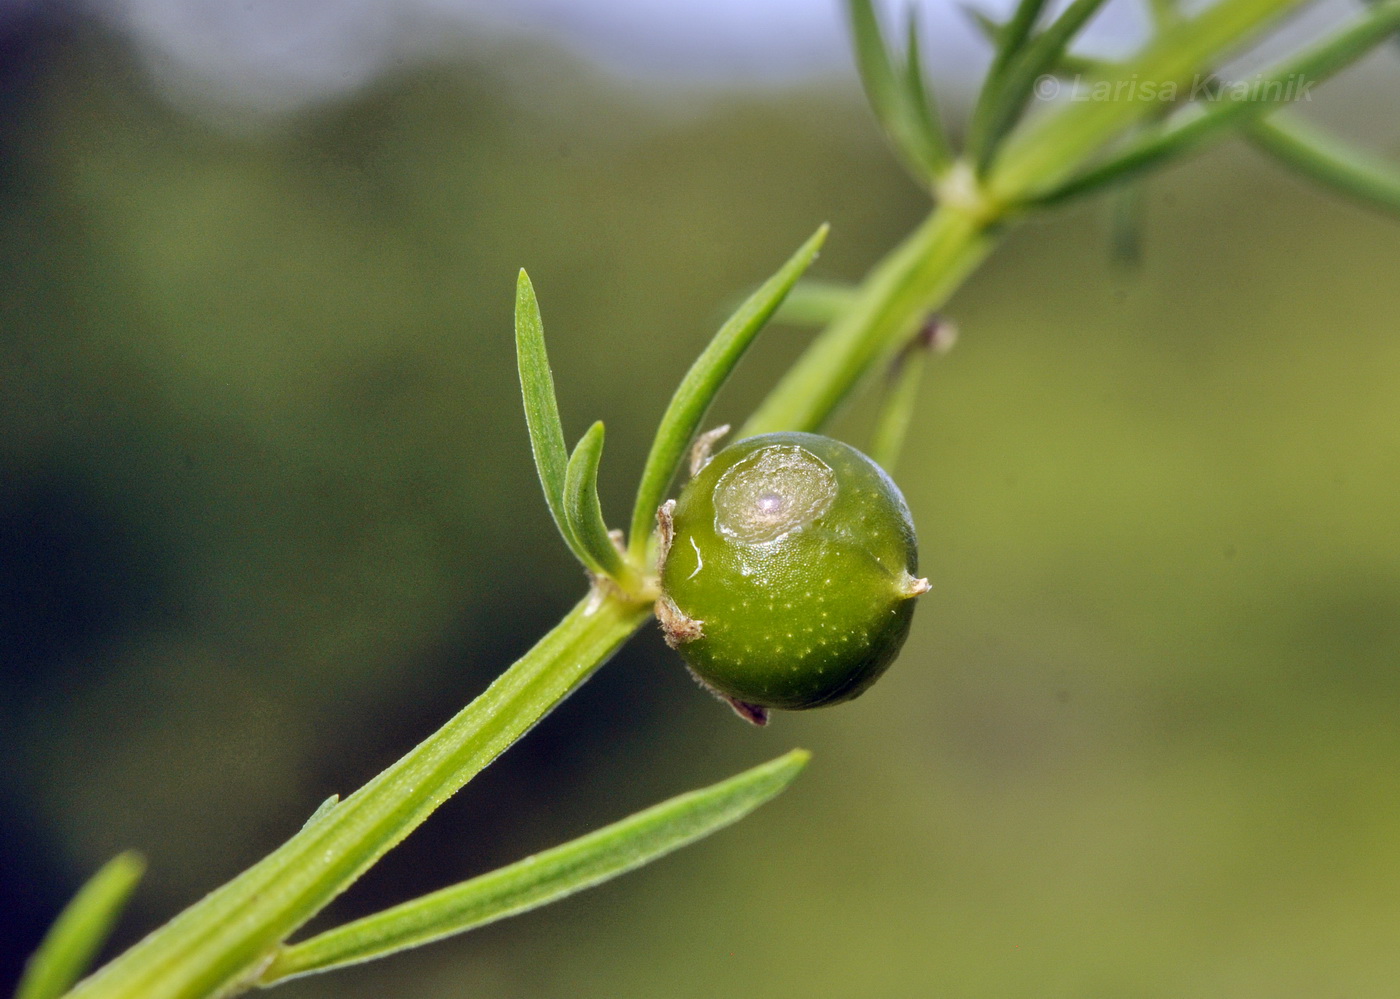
(220,944)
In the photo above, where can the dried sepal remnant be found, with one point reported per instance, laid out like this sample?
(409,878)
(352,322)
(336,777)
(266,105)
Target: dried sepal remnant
(704,446)
(603,588)
(754,714)
(675,626)
(665,531)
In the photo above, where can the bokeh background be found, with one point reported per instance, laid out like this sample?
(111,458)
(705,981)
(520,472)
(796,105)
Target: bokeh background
(268,515)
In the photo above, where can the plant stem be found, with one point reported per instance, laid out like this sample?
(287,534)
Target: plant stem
(913,280)
(220,944)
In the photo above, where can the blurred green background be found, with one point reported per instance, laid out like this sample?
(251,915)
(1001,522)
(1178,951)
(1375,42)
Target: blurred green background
(267,516)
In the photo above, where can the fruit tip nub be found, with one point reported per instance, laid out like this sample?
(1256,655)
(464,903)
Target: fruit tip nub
(912,587)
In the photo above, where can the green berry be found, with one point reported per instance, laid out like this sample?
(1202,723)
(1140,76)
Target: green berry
(789,568)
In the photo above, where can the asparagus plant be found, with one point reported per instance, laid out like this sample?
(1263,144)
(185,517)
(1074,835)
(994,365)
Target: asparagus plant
(1018,156)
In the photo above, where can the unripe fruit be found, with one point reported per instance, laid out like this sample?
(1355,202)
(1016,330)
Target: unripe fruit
(789,568)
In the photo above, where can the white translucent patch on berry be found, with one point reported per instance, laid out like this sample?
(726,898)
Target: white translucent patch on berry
(771,493)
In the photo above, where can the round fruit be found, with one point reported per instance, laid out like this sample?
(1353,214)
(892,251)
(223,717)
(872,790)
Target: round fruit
(789,568)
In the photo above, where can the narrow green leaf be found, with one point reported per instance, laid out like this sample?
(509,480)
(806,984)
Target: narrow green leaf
(543,878)
(1067,65)
(1014,34)
(1009,40)
(81,929)
(541,407)
(897,411)
(1396,39)
(584,512)
(873,61)
(989,26)
(901,101)
(1164,13)
(815,303)
(1234,104)
(902,392)
(926,130)
(1355,173)
(702,382)
(1127,211)
(1038,56)
(1127,221)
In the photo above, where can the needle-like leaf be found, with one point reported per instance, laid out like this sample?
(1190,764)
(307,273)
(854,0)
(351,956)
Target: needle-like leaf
(81,929)
(1068,64)
(1164,12)
(873,61)
(1127,212)
(701,384)
(925,127)
(1008,41)
(1040,55)
(901,100)
(543,878)
(902,393)
(584,512)
(989,27)
(1014,34)
(1396,39)
(541,407)
(1355,173)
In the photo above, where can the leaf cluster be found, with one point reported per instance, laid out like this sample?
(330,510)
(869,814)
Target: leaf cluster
(570,480)
(1172,117)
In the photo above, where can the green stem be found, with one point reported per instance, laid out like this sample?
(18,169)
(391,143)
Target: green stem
(913,280)
(220,944)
